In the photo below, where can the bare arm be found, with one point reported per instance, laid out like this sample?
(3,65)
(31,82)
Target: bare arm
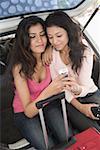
(84,108)
(30,109)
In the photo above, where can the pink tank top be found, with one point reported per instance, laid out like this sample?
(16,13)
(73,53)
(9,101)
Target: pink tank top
(35,90)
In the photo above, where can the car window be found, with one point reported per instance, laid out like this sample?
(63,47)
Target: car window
(17,7)
(93,30)
(90,23)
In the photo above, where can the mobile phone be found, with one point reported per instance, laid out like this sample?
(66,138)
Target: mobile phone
(96,111)
(64,71)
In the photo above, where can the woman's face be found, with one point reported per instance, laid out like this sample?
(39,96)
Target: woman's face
(38,39)
(58,37)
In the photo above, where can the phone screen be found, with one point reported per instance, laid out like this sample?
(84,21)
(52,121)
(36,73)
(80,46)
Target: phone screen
(64,71)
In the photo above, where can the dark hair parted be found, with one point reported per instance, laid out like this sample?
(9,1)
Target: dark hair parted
(22,54)
(61,19)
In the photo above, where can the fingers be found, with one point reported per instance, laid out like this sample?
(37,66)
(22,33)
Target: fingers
(61,77)
(63,81)
(59,82)
(46,60)
(92,116)
(86,109)
(67,88)
(47,56)
(71,79)
(74,87)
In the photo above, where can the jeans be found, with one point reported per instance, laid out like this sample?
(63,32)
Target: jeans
(79,120)
(31,128)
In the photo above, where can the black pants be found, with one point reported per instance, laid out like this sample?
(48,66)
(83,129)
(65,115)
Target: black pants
(79,120)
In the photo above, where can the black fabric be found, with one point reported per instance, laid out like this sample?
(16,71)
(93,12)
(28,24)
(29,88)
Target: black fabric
(9,132)
(96,71)
(5,49)
(78,119)
(64,145)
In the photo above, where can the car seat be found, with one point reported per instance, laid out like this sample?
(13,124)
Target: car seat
(10,136)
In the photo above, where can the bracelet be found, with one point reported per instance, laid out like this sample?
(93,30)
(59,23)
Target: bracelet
(76,90)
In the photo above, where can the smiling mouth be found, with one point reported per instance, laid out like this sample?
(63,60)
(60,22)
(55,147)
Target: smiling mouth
(42,45)
(57,46)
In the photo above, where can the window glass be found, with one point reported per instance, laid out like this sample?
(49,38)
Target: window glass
(93,30)
(17,7)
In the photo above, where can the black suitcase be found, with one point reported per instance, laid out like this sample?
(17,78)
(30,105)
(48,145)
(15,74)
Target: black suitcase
(40,106)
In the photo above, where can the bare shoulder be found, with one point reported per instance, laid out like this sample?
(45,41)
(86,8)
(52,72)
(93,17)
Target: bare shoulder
(16,69)
(18,77)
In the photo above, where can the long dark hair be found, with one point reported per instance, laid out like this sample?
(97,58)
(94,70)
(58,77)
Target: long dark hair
(22,54)
(61,19)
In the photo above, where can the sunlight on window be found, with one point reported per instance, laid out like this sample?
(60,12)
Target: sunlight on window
(93,29)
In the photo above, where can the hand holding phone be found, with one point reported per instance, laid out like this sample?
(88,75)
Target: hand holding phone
(96,111)
(64,71)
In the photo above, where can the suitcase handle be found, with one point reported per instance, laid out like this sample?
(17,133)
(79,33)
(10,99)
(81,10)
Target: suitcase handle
(41,103)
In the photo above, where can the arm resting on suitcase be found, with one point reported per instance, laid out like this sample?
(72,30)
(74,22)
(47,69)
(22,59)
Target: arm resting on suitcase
(41,103)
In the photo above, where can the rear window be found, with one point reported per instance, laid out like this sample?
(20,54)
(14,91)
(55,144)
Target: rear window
(10,8)
(93,30)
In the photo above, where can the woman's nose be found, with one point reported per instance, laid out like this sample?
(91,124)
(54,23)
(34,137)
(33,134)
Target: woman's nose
(54,40)
(39,39)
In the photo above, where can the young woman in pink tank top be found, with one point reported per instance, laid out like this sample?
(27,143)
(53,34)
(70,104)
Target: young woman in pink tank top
(33,83)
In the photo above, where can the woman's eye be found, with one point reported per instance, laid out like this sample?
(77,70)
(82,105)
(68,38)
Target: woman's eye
(50,37)
(32,36)
(59,35)
(43,34)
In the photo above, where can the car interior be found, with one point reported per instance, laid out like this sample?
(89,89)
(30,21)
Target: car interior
(9,133)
